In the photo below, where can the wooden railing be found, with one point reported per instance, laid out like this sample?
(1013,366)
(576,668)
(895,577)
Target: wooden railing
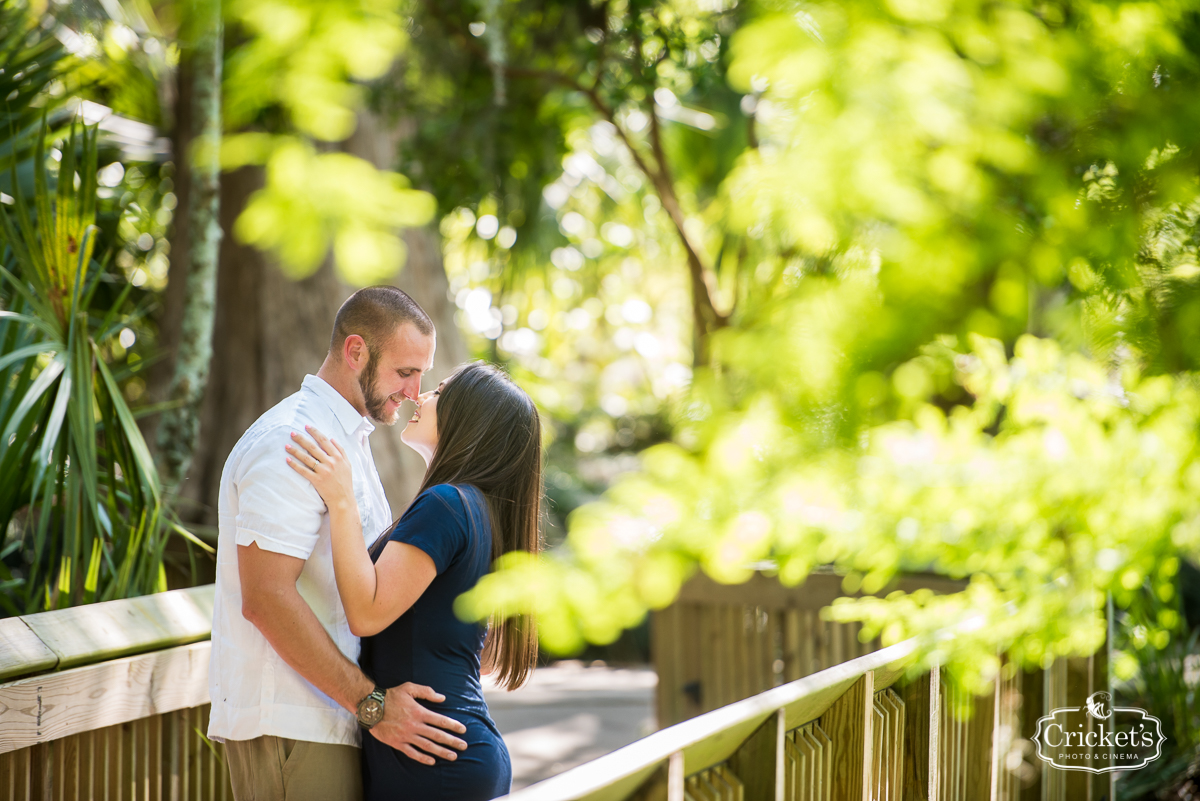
(720,643)
(858,731)
(110,701)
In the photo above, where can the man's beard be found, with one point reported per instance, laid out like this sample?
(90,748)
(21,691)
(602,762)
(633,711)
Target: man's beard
(375,403)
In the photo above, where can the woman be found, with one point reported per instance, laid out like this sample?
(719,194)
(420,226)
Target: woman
(480,436)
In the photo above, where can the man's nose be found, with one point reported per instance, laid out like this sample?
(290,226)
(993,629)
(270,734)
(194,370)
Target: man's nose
(412,389)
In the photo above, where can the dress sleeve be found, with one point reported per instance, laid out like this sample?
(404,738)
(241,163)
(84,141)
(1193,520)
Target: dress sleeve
(436,524)
(277,507)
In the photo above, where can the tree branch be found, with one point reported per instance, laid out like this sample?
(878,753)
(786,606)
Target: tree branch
(706,318)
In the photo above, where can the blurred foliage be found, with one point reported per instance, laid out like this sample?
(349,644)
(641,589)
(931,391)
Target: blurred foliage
(293,83)
(1166,682)
(491,127)
(295,80)
(34,65)
(558,248)
(962,343)
(81,505)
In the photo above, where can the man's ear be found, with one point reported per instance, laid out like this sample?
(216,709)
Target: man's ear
(355,353)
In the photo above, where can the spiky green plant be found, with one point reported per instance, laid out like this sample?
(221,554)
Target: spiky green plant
(80,499)
(31,59)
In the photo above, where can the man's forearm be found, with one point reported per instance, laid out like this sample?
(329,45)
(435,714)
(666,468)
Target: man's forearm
(298,637)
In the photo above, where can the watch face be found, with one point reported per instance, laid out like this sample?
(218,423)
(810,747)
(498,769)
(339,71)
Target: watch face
(370,711)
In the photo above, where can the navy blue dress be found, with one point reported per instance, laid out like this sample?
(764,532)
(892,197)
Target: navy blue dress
(429,645)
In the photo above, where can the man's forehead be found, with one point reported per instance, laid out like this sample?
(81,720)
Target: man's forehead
(410,349)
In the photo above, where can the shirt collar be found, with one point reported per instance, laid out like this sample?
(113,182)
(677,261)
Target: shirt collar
(351,421)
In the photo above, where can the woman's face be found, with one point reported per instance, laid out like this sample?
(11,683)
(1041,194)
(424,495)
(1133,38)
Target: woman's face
(421,432)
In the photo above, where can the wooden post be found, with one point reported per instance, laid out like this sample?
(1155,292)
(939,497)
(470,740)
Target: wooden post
(664,633)
(922,698)
(848,722)
(1032,707)
(675,777)
(792,666)
(980,745)
(691,701)
(1079,687)
(1104,785)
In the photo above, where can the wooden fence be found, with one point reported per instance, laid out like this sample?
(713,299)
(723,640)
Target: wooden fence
(720,643)
(857,731)
(110,702)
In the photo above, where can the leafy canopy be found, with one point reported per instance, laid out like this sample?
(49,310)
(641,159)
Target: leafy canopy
(295,83)
(960,344)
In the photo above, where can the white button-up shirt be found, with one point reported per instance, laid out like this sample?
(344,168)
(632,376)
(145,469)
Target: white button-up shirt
(263,500)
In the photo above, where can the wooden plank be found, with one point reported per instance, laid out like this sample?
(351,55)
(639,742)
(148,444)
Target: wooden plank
(21,652)
(794,775)
(55,705)
(759,761)
(755,669)
(770,647)
(878,765)
(810,764)
(691,704)
(1101,785)
(920,730)
(949,745)
(737,638)
(968,748)
(664,632)
(808,643)
(1104,783)
(793,667)
(97,632)
(897,715)
(826,768)
(1031,685)
(822,630)
(1078,688)
(709,655)
(848,722)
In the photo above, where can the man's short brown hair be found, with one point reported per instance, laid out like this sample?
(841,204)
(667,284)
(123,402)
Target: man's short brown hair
(374,314)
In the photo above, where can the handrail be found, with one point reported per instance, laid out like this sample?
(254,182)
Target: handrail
(84,635)
(118,693)
(714,737)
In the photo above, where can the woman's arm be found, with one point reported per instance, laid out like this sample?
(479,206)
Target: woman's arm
(373,595)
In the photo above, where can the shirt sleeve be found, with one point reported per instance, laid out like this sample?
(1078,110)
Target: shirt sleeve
(436,524)
(277,507)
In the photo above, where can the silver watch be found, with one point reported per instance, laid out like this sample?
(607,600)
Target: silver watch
(370,709)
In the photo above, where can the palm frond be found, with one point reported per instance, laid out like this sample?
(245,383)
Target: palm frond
(78,476)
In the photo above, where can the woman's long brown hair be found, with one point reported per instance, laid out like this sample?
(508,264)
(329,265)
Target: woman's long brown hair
(490,437)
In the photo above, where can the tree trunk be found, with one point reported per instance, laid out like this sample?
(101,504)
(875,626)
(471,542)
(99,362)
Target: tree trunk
(271,331)
(179,427)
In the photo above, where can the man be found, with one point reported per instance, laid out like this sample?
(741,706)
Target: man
(287,696)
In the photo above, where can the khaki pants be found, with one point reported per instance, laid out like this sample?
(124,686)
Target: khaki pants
(274,769)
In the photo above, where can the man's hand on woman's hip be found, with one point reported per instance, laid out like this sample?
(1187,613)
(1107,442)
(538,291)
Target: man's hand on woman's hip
(416,731)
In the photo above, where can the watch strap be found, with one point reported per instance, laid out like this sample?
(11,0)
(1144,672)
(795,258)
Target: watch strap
(378,695)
